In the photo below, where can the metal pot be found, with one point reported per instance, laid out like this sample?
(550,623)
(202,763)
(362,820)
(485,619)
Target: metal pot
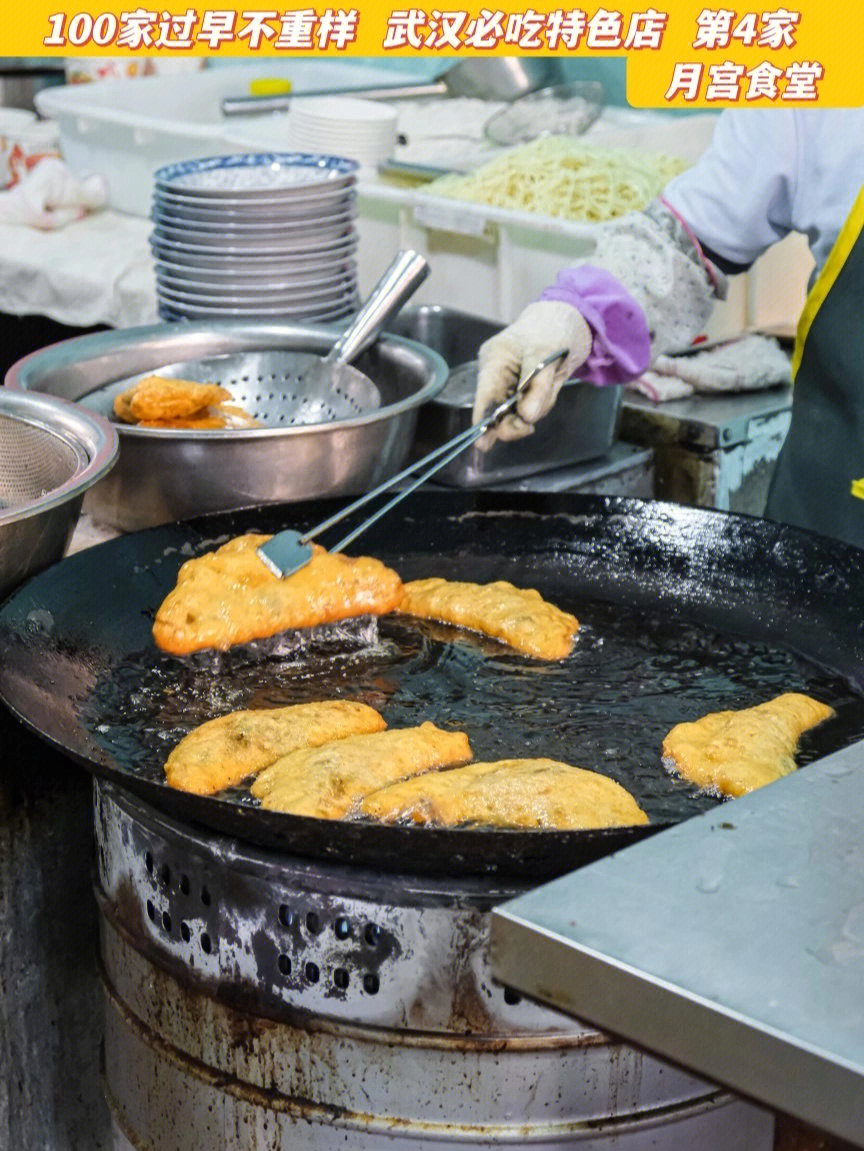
(167,475)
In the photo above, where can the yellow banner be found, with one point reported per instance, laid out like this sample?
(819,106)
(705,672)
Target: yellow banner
(679,55)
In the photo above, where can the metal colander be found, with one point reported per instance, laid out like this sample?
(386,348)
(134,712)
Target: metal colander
(278,388)
(51,452)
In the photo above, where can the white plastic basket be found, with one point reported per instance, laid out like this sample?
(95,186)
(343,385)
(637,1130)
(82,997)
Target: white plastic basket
(126,129)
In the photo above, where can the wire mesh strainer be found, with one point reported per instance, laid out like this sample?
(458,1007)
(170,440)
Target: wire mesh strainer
(50,454)
(34,460)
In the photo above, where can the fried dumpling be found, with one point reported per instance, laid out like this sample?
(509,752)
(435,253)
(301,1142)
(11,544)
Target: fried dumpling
(229,596)
(530,793)
(223,752)
(733,752)
(519,617)
(328,781)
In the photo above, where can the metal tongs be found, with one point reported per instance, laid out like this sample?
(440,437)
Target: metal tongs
(288,551)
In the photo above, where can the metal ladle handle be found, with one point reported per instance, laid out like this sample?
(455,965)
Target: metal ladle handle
(261,105)
(398,283)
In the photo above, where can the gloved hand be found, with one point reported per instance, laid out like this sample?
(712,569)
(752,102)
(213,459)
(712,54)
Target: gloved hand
(51,196)
(540,330)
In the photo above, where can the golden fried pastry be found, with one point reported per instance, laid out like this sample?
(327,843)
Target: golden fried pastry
(122,409)
(328,781)
(733,752)
(518,616)
(230,596)
(222,752)
(161,398)
(507,793)
(159,402)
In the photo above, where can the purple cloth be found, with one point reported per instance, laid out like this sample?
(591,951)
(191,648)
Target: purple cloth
(621,350)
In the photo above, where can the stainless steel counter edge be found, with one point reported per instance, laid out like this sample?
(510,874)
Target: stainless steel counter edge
(732,944)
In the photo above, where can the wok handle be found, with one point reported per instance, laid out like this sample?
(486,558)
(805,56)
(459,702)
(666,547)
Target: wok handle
(398,283)
(261,105)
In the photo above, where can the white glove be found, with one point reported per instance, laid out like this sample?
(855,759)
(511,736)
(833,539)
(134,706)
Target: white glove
(539,331)
(50,196)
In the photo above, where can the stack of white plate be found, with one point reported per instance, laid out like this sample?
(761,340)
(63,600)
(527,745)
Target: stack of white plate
(365,130)
(269,235)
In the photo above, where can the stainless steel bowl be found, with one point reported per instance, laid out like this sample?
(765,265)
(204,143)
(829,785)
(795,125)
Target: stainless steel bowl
(163,475)
(51,453)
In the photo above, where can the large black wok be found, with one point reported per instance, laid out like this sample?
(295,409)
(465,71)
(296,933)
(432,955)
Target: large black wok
(684,611)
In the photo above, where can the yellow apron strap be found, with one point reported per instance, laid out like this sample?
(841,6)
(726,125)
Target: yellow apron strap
(858,489)
(843,245)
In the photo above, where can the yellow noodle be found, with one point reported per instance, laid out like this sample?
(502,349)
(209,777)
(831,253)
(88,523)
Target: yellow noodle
(560,176)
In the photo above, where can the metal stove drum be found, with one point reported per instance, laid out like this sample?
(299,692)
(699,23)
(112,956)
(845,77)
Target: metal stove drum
(259,1000)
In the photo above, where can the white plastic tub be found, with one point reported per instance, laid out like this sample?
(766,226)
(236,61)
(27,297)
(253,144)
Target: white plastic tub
(126,129)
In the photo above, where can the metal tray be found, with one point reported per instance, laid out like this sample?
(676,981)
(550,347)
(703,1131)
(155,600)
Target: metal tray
(584,427)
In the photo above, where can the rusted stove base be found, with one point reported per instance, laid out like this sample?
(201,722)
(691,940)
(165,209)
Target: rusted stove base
(257,1001)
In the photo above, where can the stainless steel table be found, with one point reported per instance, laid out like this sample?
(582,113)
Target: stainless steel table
(712,451)
(732,943)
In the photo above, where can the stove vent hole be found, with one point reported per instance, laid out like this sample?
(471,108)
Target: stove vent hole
(165,875)
(166,922)
(185,886)
(372,934)
(185,933)
(151,911)
(511,996)
(205,896)
(148,862)
(342,928)
(206,943)
(340,978)
(311,972)
(284,964)
(286,916)
(313,923)
(371,983)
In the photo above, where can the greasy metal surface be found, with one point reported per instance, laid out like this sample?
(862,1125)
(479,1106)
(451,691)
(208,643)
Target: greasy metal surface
(276,934)
(186,1070)
(735,947)
(704,422)
(256,991)
(683,610)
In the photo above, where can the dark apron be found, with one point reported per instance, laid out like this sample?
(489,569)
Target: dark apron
(817,482)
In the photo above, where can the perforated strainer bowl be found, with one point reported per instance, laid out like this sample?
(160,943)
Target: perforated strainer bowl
(164,475)
(51,452)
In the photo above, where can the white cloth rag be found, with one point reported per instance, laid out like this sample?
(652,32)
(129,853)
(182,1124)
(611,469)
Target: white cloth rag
(742,365)
(51,196)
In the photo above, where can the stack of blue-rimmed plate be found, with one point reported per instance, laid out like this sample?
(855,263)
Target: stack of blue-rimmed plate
(264,235)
